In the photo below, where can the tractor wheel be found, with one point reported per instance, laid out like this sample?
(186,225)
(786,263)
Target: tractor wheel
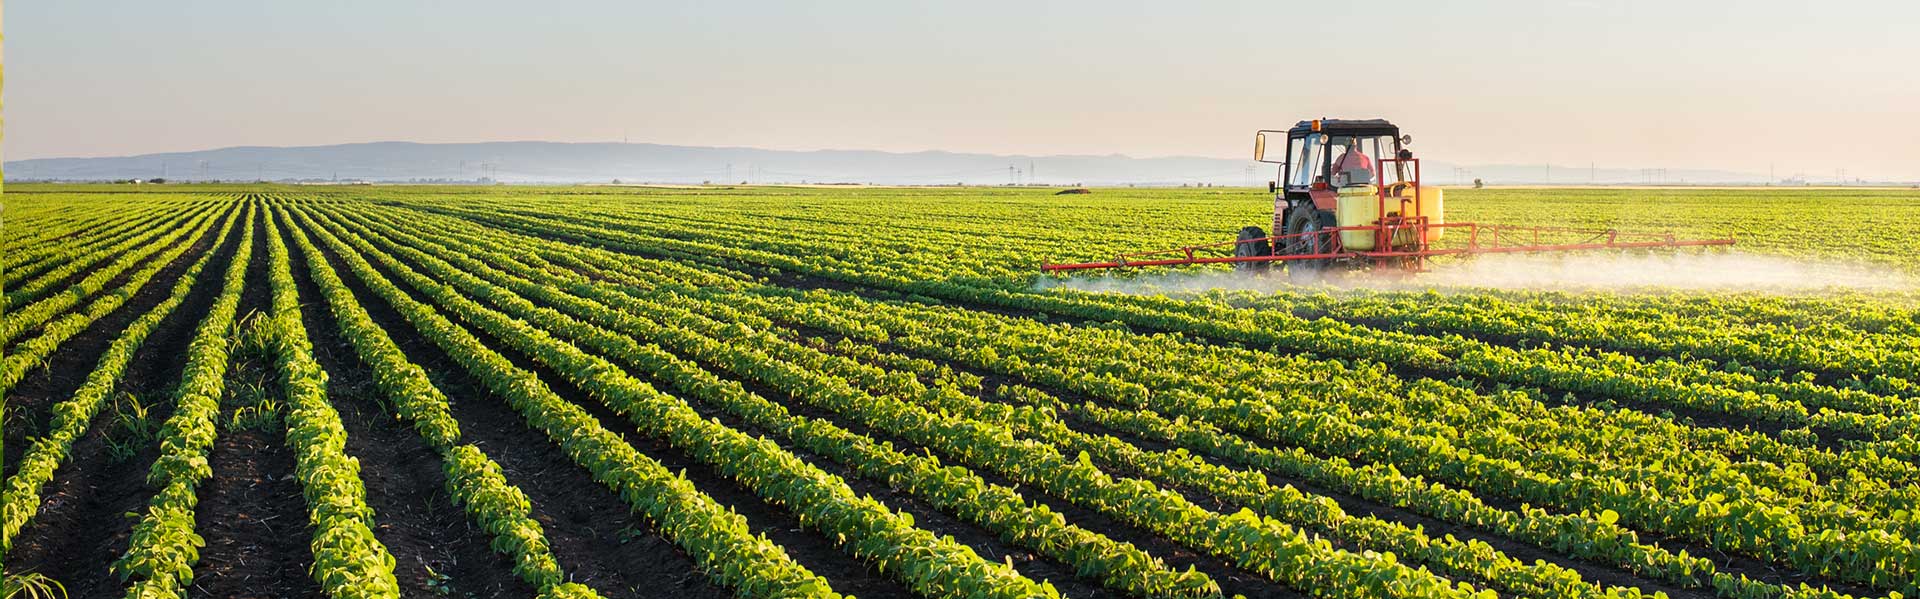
(1308,220)
(1300,223)
(1252,243)
(1298,220)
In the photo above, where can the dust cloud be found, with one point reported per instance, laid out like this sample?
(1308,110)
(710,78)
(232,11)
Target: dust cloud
(1562,272)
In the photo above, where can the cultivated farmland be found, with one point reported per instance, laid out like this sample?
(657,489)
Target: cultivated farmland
(779,392)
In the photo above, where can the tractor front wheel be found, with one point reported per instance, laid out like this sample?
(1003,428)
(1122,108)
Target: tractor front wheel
(1252,243)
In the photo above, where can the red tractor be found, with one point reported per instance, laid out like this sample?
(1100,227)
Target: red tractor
(1349,195)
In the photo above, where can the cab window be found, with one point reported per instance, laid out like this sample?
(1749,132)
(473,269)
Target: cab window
(1309,159)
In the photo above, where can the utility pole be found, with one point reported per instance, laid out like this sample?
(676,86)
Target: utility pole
(1012,179)
(1030,172)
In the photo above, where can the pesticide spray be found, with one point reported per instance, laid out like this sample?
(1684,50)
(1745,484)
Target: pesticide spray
(1557,272)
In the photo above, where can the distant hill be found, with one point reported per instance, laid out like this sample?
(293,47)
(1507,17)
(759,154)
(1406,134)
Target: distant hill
(551,162)
(554,162)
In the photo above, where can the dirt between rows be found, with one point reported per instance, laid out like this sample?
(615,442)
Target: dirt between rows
(1605,573)
(596,537)
(68,366)
(252,512)
(82,523)
(1233,580)
(436,547)
(1599,572)
(806,546)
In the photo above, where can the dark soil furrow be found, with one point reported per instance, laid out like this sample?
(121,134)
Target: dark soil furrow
(925,515)
(82,526)
(434,544)
(67,367)
(252,512)
(1603,573)
(596,537)
(807,547)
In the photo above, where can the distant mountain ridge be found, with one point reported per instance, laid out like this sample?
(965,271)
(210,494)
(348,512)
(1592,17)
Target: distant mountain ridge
(563,162)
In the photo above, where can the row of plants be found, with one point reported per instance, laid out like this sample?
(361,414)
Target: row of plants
(1837,468)
(1586,536)
(1257,543)
(1072,306)
(864,527)
(713,536)
(163,548)
(1689,385)
(348,561)
(1853,359)
(1462,331)
(67,262)
(475,482)
(22,357)
(1179,469)
(67,244)
(952,489)
(71,418)
(1771,450)
(1402,443)
(124,257)
(1696,387)
(1262,333)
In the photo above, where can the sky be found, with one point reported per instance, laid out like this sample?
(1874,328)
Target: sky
(1796,87)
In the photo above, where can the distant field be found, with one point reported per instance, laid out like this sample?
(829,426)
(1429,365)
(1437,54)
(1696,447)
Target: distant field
(271,391)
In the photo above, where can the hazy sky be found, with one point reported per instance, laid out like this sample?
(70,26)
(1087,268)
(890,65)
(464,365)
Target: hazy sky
(1808,86)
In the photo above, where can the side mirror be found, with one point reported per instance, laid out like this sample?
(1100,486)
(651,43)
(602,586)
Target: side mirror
(1272,187)
(1406,140)
(1260,147)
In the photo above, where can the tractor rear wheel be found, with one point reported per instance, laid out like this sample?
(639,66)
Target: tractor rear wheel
(1252,243)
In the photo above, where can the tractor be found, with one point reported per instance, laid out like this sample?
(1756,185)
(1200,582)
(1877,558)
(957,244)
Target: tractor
(1349,196)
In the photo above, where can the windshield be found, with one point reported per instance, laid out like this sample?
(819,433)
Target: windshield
(1363,153)
(1320,157)
(1307,163)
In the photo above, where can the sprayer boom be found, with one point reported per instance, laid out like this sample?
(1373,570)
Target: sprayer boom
(1479,239)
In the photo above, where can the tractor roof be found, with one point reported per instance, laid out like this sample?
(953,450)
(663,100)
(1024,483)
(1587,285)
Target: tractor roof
(1346,127)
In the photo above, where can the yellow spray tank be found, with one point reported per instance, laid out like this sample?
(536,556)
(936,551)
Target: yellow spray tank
(1359,206)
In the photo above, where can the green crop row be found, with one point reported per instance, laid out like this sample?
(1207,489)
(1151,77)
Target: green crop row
(163,548)
(72,417)
(712,535)
(348,561)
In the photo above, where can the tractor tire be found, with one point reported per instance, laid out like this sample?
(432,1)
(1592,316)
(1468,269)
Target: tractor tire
(1307,219)
(1252,243)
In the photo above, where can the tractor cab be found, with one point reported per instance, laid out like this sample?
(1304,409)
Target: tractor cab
(1328,154)
(1334,173)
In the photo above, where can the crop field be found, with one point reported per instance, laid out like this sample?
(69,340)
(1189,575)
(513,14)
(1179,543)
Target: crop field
(369,391)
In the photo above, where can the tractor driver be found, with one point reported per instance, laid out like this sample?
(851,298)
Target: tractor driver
(1353,159)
